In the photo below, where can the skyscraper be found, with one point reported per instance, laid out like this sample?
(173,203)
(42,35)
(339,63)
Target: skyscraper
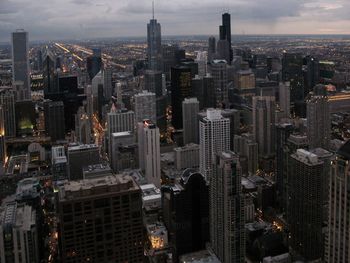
(186,213)
(154,44)
(225,34)
(20,60)
(181,88)
(101,220)
(145,107)
(264,124)
(149,151)
(94,63)
(305,208)
(83,126)
(54,119)
(214,137)
(190,109)
(218,70)
(211,48)
(107,84)
(337,245)
(227,231)
(7,100)
(318,120)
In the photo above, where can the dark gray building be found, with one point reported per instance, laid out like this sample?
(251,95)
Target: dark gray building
(54,120)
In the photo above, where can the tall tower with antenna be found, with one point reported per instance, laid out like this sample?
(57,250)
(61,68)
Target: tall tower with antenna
(154,43)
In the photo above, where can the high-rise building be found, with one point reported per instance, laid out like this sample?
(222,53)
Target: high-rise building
(149,151)
(82,126)
(59,164)
(227,231)
(201,60)
(214,137)
(311,73)
(337,245)
(101,220)
(145,107)
(246,147)
(305,209)
(19,234)
(171,55)
(284,98)
(20,61)
(211,48)
(154,45)
(120,121)
(318,121)
(186,213)
(123,151)
(225,34)
(190,109)
(218,70)
(20,90)
(154,82)
(7,100)
(81,156)
(107,84)
(49,75)
(181,88)
(54,119)
(94,63)
(187,157)
(264,124)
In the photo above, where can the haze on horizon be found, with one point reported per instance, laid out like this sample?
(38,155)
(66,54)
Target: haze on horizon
(84,19)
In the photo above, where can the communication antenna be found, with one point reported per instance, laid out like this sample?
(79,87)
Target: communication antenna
(153,9)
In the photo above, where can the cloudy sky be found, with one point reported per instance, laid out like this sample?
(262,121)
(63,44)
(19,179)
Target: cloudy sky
(76,19)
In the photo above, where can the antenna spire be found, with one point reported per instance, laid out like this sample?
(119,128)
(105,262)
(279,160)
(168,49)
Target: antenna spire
(153,9)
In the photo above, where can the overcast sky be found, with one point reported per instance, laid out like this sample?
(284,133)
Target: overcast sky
(76,19)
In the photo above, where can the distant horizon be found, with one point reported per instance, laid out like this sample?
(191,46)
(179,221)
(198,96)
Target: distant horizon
(169,37)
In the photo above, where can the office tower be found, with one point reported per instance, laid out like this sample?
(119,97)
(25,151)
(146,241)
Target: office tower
(190,63)
(101,220)
(107,84)
(214,137)
(2,138)
(145,107)
(149,151)
(223,50)
(294,142)
(235,119)
(318,121)
(211,48)
(25,117)
(82,127)
(203,90)
(306,205)
(227,232)
(311,73)
(283,131)
(245,82)
(201,60)
(154,82)
(186,213)
(218,70)
(81,156)
(292,64)
(180,89)
(49,76)
(171,55)
(54,120)
(120,121)
(190,109)
(20,61)
(94,63)
(19,234)
(247,148)
(96,82)
(337,245)
(119,92)
(59,166)
(284,98)
(7,100)
(264,124)
(154,45)
(187,157)
(225,35)
(20,90)
(123,151)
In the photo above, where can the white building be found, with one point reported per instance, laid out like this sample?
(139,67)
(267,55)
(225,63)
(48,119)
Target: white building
(214,137)
(149,151)
(187,157)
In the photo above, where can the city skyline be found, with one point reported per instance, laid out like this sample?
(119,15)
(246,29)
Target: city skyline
(100,19)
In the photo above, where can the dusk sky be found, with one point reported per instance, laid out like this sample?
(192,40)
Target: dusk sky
(76,19)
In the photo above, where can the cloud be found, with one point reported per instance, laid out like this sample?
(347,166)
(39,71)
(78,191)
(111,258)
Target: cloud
(63,19)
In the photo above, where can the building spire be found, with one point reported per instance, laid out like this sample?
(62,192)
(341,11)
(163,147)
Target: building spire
(153,9)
